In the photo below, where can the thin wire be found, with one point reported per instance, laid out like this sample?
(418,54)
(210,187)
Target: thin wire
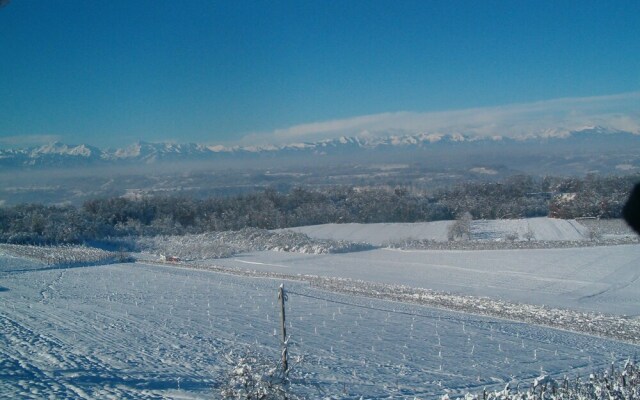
(405,312)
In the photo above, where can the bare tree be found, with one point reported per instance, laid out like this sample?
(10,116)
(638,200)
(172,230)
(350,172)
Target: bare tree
(529,235)
(461,228)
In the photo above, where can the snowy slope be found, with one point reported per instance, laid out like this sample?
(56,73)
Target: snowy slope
(540,228)
(603,279)
(379,234)
(143,331)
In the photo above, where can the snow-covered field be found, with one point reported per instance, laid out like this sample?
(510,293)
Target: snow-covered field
(545,229)
(148,331)
(603,279)
(143,330)
(378,234)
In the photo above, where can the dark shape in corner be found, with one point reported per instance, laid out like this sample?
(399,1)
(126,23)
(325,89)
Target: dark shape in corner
(631,210)
(4,3)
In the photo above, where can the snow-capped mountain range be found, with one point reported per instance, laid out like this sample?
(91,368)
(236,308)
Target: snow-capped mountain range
(63,155)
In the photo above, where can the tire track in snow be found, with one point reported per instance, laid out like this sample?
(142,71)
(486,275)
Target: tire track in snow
(44,293)
(43,364)
(621,283)
(99,351)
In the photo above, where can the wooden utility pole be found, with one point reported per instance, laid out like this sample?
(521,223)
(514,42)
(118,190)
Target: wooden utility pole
(282,297)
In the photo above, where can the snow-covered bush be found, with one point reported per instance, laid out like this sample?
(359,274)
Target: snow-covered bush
(511,236)
(66,255)
(622,384)
(255,377)
(226,244)
(427,244)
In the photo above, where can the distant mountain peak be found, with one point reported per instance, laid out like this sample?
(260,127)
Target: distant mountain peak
(58,148)
(60,154)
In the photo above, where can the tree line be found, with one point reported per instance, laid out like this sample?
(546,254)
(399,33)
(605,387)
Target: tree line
(516,197)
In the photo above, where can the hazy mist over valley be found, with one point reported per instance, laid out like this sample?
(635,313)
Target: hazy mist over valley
(60,173)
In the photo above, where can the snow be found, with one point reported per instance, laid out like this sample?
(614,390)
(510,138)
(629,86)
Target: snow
(625,167)
(217,149)
(484,170)
(375,323)
(377,234)
(548,229)
(226,244)
(68,255)
(542,228)
(149,331)
(602,279)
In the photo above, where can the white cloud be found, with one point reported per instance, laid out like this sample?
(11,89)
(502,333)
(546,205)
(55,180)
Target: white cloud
(620,111)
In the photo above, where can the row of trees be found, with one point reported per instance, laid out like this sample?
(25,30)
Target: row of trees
(516,197)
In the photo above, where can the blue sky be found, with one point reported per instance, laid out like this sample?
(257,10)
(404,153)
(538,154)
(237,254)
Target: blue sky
(110,73)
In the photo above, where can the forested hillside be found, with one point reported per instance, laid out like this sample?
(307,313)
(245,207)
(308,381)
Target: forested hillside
(516,197)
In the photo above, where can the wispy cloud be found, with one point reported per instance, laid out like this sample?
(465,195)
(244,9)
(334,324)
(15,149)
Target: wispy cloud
(27,140)
(620,111)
